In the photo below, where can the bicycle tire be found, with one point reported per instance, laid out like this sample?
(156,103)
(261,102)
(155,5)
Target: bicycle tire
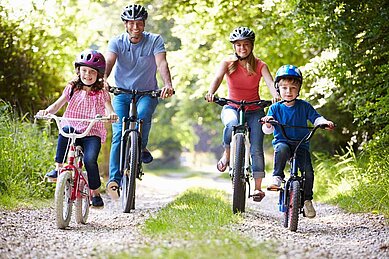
(82,202)
(62,199)
(239,182)
(294,205)
(130,170)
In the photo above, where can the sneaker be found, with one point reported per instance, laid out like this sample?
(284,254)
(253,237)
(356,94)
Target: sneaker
(52,174)
(146,157)
(276,183)
(97,201)
(113,190)
(309,210)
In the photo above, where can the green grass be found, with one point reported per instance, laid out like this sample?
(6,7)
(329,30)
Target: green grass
(26,151)
(196,225)
(355,183)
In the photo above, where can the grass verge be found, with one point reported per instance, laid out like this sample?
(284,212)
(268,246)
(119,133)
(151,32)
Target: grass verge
(196,225)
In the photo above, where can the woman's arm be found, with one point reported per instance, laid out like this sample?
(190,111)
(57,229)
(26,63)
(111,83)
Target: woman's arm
(217,81)
(269,81)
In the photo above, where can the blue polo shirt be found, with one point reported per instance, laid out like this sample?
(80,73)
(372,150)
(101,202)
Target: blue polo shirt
(297,115)
(135,66)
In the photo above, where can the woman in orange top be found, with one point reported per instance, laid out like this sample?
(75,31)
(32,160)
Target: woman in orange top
(243,73)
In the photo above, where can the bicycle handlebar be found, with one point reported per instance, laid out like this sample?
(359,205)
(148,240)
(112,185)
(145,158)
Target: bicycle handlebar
(152,93)
(73,134)
(260,103)
(306,138)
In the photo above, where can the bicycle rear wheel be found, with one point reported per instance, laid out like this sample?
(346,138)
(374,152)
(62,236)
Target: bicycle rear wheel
(82,202)
(62,199)
(239,182)
(292,213)
(130,171)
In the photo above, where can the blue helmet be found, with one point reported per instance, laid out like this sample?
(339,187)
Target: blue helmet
(288,71)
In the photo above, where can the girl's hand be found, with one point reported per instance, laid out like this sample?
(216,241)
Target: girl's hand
(209,97)
(113,117)
(42,113)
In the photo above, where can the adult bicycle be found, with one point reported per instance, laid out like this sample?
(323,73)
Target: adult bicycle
(130,147)
(240,160)
(291,196)
(72,183)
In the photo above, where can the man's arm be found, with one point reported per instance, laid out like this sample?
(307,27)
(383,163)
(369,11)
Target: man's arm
(110,59)
(164,71)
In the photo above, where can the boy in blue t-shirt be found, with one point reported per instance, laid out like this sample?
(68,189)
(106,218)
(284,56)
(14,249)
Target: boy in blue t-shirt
(293,112)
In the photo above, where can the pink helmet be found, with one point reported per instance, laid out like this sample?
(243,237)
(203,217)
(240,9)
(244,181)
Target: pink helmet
(91,58)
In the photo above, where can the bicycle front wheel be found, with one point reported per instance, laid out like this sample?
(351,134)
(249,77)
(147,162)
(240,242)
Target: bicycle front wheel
(82,202)
(62,198)
(131,165)
(239,181)
(292,214)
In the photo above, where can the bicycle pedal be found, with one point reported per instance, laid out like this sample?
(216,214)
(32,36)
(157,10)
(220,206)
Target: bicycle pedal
(273,188)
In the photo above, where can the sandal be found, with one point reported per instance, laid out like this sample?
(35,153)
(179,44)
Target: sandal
(258,195)
(221,166)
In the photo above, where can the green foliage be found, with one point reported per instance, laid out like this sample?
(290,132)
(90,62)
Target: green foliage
(358,32)
(357,183)
(198,219)
(26,152)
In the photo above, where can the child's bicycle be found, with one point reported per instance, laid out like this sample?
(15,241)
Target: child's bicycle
(130,147)
(72,183)
(240,159)
(291,198)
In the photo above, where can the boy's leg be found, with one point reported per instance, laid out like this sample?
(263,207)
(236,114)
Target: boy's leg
(282,153)
(305,164)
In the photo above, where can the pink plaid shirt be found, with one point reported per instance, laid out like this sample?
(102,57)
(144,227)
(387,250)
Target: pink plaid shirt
(86,105)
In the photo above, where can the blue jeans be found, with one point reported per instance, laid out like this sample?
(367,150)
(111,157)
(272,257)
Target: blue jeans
(91,146)
(282,153)
(230,118)
(121,103)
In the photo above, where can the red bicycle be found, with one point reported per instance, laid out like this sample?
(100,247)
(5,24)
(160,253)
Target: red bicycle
(72,183)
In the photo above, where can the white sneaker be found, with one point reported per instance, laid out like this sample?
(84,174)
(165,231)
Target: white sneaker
(309,210)
(276,183)
(113,190)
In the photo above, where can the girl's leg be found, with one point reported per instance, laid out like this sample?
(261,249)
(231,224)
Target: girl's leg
(91,146)
(229,117)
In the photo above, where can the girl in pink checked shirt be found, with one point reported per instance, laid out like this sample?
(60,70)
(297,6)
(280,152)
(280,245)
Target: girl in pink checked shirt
(86,97)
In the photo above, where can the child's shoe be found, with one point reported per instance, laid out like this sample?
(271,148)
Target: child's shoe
(309,210)
(113,190)
(53,174)
(276,183)
(97,201)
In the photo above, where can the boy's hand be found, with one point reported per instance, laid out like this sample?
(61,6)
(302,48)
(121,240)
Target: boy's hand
(267,118)
(331,125)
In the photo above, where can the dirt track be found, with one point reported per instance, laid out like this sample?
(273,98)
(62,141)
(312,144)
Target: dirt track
(332,234)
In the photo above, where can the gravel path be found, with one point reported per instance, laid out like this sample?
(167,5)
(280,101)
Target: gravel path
(332,234)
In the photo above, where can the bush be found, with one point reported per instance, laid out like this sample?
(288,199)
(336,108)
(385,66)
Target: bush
(26,153)
(357,182)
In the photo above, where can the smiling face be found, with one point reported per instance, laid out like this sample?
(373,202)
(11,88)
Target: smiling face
(88,75)
(289,90)
(135,29)
(243,48)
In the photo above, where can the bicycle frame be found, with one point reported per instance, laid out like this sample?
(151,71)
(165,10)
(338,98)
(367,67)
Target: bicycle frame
(284,203)
(76,183)
(241,132)
(130,147)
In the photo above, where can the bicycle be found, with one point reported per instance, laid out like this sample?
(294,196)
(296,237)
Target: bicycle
(240,160)
(291,197)
(130,147)
(72,183)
